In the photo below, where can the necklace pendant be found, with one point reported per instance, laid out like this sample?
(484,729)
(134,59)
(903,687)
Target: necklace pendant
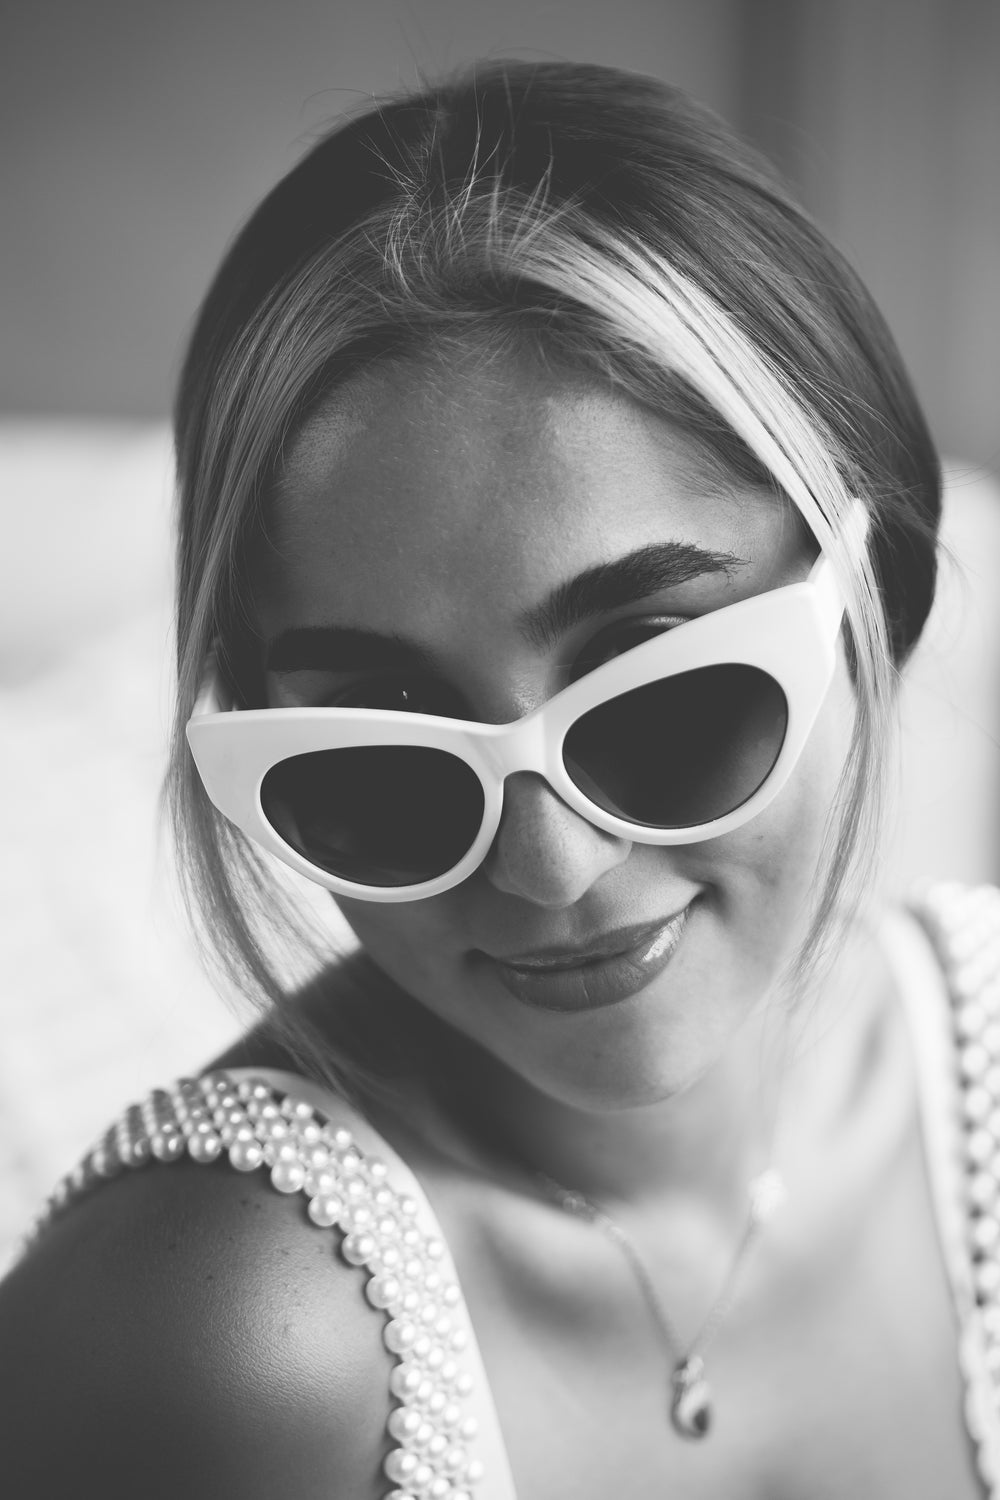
(691,1406)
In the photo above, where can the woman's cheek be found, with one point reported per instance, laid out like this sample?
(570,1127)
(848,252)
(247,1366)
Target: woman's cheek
(409,940)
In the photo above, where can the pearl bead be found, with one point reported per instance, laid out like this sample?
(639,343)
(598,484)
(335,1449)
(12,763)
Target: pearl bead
(475,1470)
(979,1146)
(987,1276)
(400,1466)
(325,1209)
(167,1144)
(318,1183)
(288,1176)
(977,1104)
(383,1291)
(439,1489)
(455,1460)
(974,1061)
(298,1109)
(253,1088)
(985,1233)
(204,1148)
(404,1425)
(404,1381)
(422,1476)
(342,1138)
(399,1336)
(451,1416)
(245,1156)
(982,1189)
(358,1248)
(970,1019)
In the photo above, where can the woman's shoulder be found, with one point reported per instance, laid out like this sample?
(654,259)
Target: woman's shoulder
(186,1328)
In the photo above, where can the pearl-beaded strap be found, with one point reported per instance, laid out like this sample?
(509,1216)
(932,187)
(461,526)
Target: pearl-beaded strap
(442,1420)
(963,924)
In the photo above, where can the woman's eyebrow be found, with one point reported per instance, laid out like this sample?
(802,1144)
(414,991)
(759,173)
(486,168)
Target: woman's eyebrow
(607,586)
(341,648)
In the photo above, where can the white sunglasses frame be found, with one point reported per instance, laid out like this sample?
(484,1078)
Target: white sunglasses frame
(789,632)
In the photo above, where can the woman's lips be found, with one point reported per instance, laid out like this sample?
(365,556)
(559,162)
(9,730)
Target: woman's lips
(602,973)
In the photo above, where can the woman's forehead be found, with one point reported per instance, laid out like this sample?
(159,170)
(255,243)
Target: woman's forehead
(481,472)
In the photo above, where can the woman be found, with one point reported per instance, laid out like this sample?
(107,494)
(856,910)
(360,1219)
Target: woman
(555,516)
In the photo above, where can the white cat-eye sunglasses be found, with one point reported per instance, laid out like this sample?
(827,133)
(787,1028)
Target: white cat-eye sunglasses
(684,737)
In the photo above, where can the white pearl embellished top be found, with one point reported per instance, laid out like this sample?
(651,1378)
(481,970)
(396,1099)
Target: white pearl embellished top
(446,1442)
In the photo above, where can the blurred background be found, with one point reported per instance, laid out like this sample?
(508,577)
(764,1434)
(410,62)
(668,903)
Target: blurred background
(134,138)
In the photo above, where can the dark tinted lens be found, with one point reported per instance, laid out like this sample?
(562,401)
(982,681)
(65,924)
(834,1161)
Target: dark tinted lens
(681,751)
(379,815)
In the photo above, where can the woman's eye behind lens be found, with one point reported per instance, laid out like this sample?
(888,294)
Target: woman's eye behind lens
(409,695)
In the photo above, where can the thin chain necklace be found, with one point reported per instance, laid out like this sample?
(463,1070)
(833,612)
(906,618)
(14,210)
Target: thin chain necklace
(691,1396)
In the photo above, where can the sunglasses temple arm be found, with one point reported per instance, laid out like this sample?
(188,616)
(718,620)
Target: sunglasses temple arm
(830,599)
(211,698)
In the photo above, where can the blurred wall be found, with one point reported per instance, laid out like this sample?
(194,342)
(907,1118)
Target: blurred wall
(886,114)
(135,136)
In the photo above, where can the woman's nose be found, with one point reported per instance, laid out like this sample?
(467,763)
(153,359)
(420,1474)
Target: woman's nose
(545,852)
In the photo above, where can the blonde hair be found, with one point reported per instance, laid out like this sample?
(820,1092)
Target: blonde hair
(598,215)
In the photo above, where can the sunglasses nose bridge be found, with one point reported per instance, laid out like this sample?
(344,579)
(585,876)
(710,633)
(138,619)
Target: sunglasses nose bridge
(519,746)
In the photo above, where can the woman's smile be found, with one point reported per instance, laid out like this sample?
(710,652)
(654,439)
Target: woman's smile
(604,971)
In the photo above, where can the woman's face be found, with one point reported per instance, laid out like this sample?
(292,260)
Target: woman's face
(434,514)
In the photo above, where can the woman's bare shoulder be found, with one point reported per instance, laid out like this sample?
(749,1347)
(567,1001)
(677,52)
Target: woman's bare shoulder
(186,1330)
